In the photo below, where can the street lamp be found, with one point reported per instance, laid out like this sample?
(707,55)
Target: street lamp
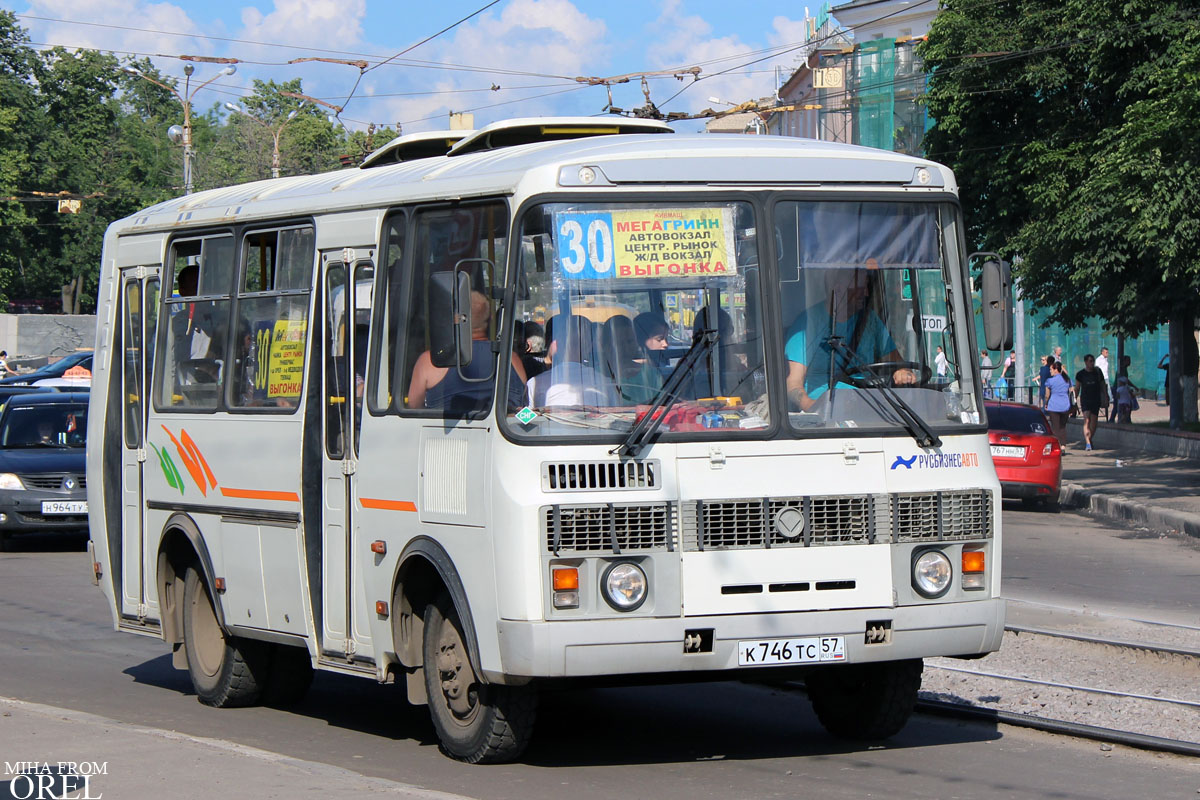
(275,132)
(175,133)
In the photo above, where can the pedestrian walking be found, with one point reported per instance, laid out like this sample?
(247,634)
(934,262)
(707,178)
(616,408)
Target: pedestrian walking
(1058,401)
(1091,387)
(939,361)
(1102,365)
(1164,364)
(985,372)
(1010,373)
(1043,376)
(1125,394)
(4,368)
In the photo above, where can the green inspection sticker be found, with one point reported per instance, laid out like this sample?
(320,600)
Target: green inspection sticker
(526,415)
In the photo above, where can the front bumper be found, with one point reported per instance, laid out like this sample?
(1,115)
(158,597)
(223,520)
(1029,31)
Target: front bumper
(649,645)
(22,511)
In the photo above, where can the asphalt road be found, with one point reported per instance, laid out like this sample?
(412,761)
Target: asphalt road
(1076,561)
(726,740)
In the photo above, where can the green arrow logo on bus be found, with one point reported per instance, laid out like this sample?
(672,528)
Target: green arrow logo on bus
(170,471)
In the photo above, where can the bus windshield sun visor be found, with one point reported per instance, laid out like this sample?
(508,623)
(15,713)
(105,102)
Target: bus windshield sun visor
(662,402)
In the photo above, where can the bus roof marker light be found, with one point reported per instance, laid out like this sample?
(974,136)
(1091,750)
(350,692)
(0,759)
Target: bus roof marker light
(587,175)
(923,176)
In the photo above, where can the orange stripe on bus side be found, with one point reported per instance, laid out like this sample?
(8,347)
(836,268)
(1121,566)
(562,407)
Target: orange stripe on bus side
(257,494)
(387,505)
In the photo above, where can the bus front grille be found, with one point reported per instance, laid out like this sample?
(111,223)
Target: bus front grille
(608,527)
(584,476)
(836,520)
(741,524)
(942,516)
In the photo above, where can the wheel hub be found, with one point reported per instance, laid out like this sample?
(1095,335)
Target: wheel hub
(455,674)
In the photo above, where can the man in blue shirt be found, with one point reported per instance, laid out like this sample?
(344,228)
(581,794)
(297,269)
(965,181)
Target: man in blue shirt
(842,312)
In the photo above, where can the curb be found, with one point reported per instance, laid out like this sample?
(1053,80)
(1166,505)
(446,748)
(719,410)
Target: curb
(1072,495)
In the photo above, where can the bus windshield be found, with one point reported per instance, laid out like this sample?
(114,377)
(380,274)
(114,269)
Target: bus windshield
(868,319)
(611,297)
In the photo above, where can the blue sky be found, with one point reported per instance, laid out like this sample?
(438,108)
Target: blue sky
(530,49)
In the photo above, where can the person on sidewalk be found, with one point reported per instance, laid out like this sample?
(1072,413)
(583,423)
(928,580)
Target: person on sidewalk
(1125,397)
(1043,376)
(1164,364)
(1106,395)
(1058,401)
(939,362)
(985,372)
(1091,387)
(1010,373)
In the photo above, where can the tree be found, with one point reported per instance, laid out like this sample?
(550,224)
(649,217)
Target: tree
(1071,128)
(18,120)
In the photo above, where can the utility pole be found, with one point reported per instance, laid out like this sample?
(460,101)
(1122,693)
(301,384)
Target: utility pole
(275,131)
(183,135)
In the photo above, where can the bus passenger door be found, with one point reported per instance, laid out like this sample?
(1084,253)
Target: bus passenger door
(346,316)
(139,309)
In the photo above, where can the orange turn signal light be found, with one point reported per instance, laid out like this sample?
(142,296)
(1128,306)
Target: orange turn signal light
(566,579)
(381,608)
(379,546)
(973,561)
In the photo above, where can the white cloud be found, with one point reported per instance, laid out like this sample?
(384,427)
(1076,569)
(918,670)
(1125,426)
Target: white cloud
(552,37)
(147,17)
(683,40)
(313,23)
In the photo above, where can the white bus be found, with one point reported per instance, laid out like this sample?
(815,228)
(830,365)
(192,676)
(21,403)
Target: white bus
(560,399)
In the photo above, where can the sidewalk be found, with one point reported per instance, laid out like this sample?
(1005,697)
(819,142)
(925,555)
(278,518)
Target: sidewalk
(130,761)
(1158,491)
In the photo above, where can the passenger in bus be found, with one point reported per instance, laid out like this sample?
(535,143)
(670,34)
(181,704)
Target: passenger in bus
(627,363)
(652,333)
(842,311)
(445,388)
(572,379)
(725,362)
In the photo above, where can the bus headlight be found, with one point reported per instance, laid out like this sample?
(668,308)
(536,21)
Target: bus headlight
(624,586)
(932,573)
(10,481)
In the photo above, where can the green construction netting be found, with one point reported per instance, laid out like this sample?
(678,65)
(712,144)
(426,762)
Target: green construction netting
(875,79)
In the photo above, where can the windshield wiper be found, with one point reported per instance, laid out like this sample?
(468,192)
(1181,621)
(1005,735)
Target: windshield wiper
(666,396)
(916,427)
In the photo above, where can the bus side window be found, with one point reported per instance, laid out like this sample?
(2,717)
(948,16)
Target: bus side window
(197,315)
(384,393)
(272,324)
(445,237)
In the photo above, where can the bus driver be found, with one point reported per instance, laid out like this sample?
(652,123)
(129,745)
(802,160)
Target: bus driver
(843,312)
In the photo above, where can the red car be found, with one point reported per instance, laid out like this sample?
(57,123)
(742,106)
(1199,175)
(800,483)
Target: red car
(1027,455)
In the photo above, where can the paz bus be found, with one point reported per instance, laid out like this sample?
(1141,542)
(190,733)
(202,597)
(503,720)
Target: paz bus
(317,442)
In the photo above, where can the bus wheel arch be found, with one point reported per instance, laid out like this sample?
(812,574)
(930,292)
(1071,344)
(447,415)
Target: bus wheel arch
(423,572)
(181,547)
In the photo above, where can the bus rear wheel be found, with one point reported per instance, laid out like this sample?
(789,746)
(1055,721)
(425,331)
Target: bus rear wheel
(226,671)
(476,722)
(865,701)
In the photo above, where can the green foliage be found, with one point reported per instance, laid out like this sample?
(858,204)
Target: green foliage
(80,122)
(1072,130)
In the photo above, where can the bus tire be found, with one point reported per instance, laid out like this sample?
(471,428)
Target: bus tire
(476,722)
(865,701)
(289,676)
(226,672)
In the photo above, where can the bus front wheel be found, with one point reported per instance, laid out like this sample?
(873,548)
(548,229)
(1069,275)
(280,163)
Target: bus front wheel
(476,722)
(226,671)
(865,701)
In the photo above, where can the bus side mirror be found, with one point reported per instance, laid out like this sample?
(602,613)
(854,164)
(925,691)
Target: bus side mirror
(450,319)
(997,295)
